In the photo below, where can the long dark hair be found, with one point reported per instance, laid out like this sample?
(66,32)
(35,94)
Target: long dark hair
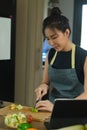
(56,20)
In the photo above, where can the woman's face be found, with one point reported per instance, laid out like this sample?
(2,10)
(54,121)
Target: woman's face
(57,39)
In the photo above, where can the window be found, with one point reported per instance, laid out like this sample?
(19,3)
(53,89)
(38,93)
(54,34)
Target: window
(79,23)
(45,49)
(84,27)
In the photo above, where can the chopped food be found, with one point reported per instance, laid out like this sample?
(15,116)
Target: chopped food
(29,118)
(24,126)
(13,120)
(34,109)
(14,106)
(19,107)
(32,129)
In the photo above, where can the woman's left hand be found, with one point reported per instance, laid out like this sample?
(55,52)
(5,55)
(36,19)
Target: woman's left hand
(44,105)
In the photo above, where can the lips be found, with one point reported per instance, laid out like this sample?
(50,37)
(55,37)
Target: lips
(56,47)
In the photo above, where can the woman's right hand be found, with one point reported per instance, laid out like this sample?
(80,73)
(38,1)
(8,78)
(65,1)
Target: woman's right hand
(41,91)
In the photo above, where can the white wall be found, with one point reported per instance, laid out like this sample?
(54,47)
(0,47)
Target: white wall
(45,8)
(67,8)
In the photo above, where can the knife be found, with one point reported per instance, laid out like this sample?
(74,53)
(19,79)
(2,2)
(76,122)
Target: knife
(36,102)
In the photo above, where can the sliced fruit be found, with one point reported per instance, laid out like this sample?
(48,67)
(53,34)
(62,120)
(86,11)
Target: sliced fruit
(34,109)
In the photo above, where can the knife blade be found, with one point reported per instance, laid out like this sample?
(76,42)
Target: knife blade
(36,102)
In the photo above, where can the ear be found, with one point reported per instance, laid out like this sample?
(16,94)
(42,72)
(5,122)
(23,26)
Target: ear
(67,32)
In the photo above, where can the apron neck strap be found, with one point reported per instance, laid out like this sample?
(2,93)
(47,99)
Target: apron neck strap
(72,57)
(53,59)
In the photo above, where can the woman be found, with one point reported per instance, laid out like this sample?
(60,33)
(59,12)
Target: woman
(65,66)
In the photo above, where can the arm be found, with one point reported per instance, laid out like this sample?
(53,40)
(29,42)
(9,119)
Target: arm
(84,94)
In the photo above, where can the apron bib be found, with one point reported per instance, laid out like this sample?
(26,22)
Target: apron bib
(64,82)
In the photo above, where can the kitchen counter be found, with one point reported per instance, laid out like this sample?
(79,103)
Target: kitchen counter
(36,124)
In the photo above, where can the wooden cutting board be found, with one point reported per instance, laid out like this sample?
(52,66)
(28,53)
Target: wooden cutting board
(37,116)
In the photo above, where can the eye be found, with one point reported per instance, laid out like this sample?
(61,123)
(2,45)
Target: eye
(54,37)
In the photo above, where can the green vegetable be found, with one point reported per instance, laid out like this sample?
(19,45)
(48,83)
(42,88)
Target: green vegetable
(24,126)
(19,107)
(13,120)
(34,109)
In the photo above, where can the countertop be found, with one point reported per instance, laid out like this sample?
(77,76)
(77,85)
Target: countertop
(36,124)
